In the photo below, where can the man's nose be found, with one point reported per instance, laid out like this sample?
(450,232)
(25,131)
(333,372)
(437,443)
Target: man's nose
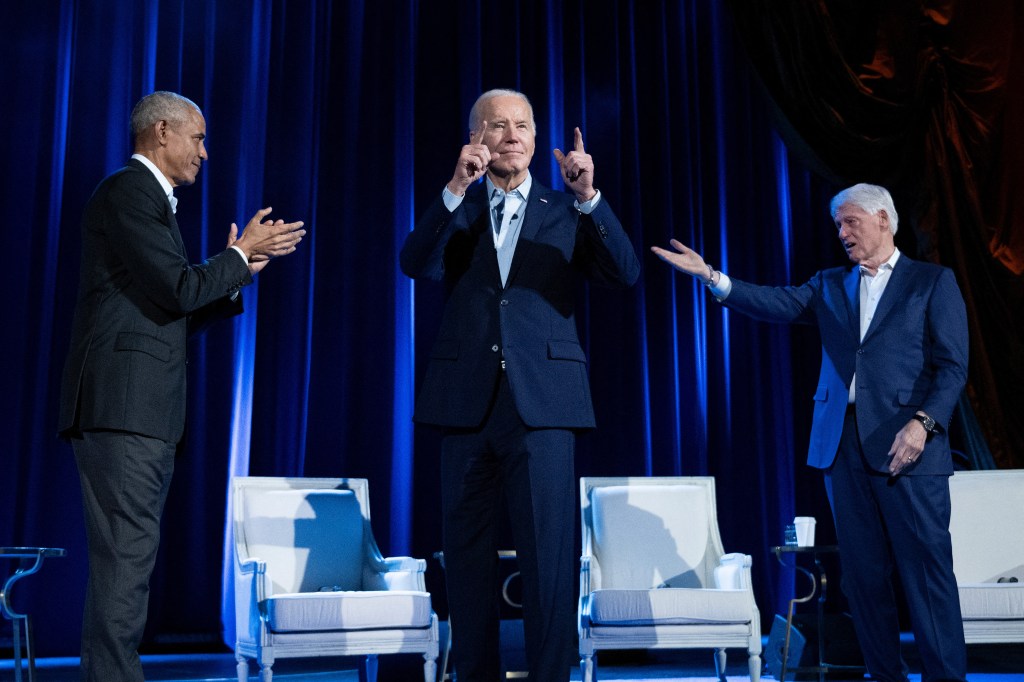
(202,152)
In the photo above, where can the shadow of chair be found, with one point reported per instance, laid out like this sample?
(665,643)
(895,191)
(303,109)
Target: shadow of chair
(654,575)
(310,580)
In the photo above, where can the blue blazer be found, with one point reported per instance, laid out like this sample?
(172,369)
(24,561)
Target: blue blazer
(529,322)
(913,356)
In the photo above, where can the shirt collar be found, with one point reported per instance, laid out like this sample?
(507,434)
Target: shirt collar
(160,177)
(887,265)
(523,190)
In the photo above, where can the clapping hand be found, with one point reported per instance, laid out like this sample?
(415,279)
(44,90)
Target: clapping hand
(262,240)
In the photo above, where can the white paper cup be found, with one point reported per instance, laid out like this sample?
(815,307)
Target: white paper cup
(804,530)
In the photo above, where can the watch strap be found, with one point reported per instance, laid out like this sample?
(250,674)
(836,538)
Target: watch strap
(926,421)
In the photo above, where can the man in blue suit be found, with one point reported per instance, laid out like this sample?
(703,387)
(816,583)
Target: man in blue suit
(507,377)
(894,360)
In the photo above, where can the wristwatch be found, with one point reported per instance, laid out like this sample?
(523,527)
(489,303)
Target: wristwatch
(928,422)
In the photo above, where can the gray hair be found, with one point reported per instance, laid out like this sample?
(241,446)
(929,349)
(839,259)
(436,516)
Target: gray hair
(870,199)
(160,106)
(476,115)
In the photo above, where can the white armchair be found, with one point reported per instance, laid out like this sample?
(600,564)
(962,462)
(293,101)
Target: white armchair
(988,553)
(654,575)
(310,580)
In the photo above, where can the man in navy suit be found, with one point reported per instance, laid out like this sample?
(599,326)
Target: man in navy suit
(507,378)
(894,360)
(122,402)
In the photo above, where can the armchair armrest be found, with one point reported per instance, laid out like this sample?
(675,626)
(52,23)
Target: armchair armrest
(405,563)
(733,572)
(404,573)
(250,596)
(584,575)
(250,565)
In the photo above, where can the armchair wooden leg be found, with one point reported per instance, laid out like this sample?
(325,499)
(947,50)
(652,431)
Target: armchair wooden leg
(429,668)
(587,668)
(755,667)
(242,667)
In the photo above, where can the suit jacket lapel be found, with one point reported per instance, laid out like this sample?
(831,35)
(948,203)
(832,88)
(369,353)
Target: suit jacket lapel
(895,291)
(478,204)
(172,223)
(851,283)
(536,209)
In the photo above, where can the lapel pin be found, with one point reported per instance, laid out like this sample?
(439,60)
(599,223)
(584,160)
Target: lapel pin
(543,200)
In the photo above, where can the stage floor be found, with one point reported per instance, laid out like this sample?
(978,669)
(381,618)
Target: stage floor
(986,663)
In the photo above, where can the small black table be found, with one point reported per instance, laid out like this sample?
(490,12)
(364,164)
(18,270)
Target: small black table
(818,580)
(30,560)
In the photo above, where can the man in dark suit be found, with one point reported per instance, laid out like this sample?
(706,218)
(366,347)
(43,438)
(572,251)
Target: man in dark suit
(894,360)
(123,393)
(507,378)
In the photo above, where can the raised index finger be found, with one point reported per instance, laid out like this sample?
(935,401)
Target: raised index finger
(480,134)
(578,146)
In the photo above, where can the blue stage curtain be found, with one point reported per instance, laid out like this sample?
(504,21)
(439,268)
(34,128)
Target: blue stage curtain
(349,115)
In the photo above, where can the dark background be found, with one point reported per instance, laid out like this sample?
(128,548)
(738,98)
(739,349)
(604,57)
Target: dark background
(728,125)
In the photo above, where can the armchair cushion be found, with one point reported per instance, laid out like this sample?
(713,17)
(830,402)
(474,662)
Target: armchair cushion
(649,536)
(323,611)
(300,535)
(669,606)
(992,601)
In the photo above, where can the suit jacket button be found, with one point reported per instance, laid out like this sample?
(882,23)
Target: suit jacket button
(494,348)
(504,301)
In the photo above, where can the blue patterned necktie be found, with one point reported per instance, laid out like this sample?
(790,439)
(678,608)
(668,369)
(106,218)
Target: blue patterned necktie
(499,209)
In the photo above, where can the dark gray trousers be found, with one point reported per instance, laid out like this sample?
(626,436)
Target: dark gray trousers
(125,478)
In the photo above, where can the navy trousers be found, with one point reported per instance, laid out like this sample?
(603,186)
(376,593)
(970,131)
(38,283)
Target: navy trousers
(532,470)
(886,524)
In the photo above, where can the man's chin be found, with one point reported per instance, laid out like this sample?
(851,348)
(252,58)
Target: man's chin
(507,171)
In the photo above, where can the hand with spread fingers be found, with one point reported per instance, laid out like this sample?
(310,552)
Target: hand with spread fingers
(577,169)
(683,259)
